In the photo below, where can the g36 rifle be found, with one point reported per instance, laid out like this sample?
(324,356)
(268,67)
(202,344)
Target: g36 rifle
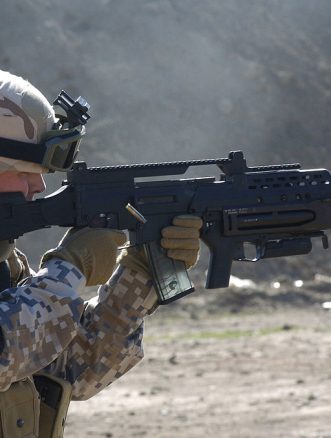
(278,209)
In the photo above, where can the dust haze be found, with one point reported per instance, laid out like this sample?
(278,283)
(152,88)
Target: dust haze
(188,79)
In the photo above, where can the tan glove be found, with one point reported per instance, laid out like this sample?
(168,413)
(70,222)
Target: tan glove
(181,240)
(92,250)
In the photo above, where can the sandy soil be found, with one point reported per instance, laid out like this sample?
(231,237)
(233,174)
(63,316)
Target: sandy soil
(256,371)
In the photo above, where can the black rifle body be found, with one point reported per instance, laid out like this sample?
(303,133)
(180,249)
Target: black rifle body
(278,209)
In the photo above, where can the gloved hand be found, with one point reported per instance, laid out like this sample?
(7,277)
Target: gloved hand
(92,250)
(181,240)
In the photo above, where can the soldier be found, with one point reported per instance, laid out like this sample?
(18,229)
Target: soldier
(55,347)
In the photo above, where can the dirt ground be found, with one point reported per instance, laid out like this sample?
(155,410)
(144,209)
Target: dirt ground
(216,368)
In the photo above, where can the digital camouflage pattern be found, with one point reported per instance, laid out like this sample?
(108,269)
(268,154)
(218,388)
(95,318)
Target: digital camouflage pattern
(38,320)
(109,339)
(44,322)
(46,325)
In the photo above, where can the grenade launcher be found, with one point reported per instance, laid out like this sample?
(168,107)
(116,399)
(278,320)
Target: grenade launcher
(277,209)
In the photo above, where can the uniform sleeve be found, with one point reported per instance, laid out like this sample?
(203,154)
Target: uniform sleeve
(109,340)
(38,319)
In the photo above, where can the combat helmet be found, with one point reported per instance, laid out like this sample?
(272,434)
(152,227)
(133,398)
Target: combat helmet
(34,135)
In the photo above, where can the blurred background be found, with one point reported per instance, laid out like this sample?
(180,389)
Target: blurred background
(189,79)
(172,80)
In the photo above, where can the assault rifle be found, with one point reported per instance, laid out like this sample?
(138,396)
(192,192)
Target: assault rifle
(278,209)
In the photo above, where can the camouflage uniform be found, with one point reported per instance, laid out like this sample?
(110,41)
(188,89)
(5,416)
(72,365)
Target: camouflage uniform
(53,346)
(109,337)
(50,340)
(46,325)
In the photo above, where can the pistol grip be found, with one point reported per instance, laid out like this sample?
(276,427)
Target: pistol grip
(222,251)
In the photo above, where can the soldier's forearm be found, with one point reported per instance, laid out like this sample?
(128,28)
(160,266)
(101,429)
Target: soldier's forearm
(109,341)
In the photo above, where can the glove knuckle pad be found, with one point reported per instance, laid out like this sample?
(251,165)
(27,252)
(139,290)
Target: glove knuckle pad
(188,221)
(186,244)
(176,232)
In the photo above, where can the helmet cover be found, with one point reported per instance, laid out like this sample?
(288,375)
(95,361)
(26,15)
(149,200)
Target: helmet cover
(25,115)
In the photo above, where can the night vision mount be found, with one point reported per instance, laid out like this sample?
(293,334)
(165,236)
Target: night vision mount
(76,111)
